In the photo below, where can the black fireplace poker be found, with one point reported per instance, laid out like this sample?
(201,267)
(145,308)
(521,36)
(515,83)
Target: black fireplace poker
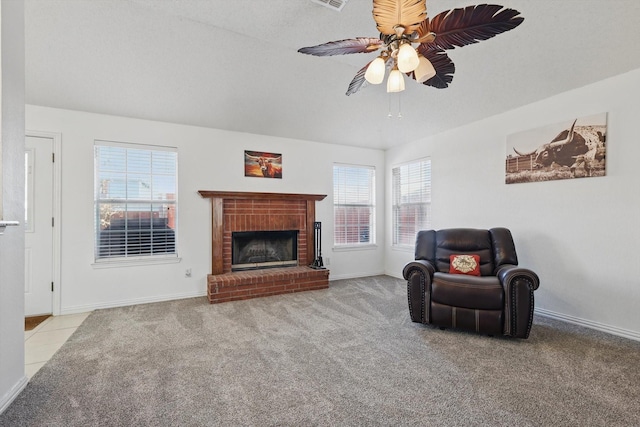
(317,249)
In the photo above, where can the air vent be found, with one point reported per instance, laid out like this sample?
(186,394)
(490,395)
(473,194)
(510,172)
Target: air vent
(332,4)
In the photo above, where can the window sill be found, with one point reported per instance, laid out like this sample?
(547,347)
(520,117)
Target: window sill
(363,247)
(136,262)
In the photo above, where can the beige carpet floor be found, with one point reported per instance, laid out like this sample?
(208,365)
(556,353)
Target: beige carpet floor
(346,356)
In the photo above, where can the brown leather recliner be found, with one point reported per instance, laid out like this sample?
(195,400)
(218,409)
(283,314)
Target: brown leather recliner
(497,301)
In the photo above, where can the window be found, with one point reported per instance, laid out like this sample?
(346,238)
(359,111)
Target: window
(354,205)
(135,200)
(411,201)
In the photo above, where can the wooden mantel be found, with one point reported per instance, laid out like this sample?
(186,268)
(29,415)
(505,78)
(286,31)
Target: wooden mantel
(249,195)
(217,218)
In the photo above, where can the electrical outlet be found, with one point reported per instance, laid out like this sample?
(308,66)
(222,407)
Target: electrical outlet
(187,272)
(327,261)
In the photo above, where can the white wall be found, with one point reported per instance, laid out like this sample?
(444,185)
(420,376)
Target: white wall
(578,235)
(581,236)
(12,377)
(208,159)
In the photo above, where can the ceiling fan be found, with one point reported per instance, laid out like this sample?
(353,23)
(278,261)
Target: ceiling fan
(401,24)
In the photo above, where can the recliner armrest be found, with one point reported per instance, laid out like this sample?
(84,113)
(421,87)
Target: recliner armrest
(425,267)
(419,275)
(518,284)
(507,272)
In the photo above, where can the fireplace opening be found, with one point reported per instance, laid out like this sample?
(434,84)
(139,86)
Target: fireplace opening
(252,250)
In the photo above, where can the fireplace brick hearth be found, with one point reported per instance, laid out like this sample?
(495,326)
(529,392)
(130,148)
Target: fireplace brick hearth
(241,285)
(244,211)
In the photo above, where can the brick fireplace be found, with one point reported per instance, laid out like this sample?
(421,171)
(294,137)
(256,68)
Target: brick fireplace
(245,211)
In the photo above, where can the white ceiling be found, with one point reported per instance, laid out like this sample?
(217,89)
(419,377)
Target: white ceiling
(234,64)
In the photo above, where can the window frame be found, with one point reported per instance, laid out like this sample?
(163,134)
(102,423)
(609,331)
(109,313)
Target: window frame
(350,204)
(399,241)
(162,202)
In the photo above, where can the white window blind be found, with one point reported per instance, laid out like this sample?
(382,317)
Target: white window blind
(354,204)
(411,201)
(135,200)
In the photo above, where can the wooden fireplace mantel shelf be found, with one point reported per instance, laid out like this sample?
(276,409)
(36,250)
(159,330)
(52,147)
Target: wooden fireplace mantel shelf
(250,195)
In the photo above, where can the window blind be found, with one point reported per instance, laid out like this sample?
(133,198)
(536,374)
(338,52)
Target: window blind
(354,204)
(135,200)
(411,187)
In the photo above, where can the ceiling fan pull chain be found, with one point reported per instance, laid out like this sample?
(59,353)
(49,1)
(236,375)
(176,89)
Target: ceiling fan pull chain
(399,95)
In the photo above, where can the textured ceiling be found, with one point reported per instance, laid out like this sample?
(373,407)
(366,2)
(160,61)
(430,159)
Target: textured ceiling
(234,64)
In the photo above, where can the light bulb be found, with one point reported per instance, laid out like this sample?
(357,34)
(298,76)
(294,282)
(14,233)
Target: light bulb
(375,71)
(395,82)
(407,58)
(425,70)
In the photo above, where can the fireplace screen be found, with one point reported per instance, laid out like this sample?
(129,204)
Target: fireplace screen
(263,249)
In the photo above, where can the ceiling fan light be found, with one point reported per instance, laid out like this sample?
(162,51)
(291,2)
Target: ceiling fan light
(395,82)
(407,58)
(375,71)
(425,70)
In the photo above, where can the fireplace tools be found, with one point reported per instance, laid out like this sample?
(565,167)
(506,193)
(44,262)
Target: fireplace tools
(317,249)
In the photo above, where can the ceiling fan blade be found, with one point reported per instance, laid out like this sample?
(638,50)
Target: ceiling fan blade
(344,47)
(359,81)
(408,13)
(443,65)
(425,35)
(460,27)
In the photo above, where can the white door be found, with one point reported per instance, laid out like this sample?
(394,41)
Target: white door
(38,256)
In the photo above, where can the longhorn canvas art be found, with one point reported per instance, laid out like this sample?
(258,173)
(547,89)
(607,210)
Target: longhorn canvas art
(575,148)
(262,165)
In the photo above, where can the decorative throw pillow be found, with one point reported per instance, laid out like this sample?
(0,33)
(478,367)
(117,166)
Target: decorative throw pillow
(464,264)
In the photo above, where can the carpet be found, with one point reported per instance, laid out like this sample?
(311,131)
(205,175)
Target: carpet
(345,356)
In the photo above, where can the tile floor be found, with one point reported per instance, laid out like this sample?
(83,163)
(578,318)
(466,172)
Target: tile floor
(45,339)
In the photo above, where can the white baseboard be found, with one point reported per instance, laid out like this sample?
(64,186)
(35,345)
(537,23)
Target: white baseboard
(134,301)
(352,276)
(394,274)
(614,330)
(13,393)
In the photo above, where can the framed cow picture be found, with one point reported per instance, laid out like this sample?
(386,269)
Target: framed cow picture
(575,148)
(262,164)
